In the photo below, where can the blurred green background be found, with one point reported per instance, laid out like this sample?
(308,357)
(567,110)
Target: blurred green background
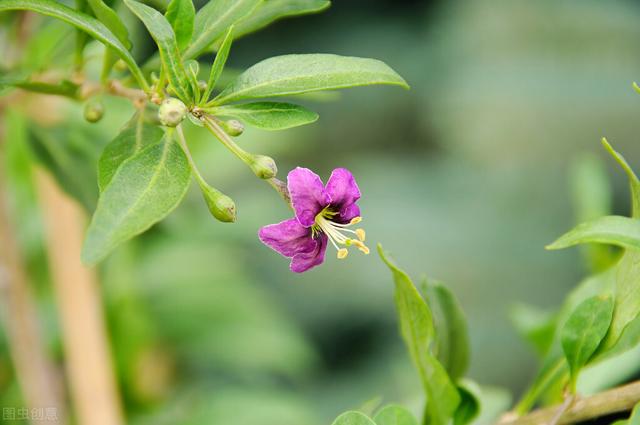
(464,178)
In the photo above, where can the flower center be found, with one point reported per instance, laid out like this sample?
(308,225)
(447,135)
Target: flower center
(338,233)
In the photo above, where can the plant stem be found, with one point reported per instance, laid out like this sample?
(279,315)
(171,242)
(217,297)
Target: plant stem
(213,127)
(89,367)
(620,399)
(35,372)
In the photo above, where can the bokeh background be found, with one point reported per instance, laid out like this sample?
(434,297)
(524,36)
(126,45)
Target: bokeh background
(464,178)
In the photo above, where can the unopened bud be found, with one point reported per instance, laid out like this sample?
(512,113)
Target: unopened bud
(202,85)
(120,66)
(93,110)
(232,127)
(263,166)
(220,205)
(172,111)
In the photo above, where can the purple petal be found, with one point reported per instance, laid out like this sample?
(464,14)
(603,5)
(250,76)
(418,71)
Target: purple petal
(308,196)
(305,260)
(344,192)
(288,238)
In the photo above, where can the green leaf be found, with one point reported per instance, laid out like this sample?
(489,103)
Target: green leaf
(82,21)
(163,35)
(584,331)
(536,326)
(353,418)
(218,64)
(394,415)
(592,199)
(452,339)
(613,230)
(294,74)
(135,136)
(146,188)
(213,21)
(111,20)
(634,183)
(418,332)
(181,15)
(64,88)
(64,151)
(469,407)
(268,115)
(269,11)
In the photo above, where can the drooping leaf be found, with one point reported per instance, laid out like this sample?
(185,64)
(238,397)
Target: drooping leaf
(213,21)
(613,229)
(535,325)
(163,35)
(452,339)
(627,286)
(70,160)
(394,415)
(64,88)
(295,74)
(269,11)
(584,331)
(82,21)
(469,407)
(592,199)
(146,187)
(218,63)
(418,332)
(111,20)
(135,136)
(181,15)
(268,115)
(353,418)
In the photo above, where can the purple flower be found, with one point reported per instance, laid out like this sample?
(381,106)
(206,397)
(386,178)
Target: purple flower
(323,213)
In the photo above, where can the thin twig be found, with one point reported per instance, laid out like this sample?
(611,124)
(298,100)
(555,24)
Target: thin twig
(620,399)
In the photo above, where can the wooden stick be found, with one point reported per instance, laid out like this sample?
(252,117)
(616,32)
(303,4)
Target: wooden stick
(621,399)
(35,371)
(89,367)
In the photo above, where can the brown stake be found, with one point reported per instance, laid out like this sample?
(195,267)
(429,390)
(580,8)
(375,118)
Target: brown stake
(621,399)
(88,363)
(36,373)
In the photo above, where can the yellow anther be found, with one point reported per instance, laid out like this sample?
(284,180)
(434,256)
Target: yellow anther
(355,220)
(360,233)
(342,253)
(364,249)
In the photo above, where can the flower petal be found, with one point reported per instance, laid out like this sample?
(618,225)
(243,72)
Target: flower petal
(347,213)
(344,192)
(308,196)
(305,260)
(288,238)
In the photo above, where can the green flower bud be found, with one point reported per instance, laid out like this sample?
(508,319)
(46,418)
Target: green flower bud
(232,127)
(172,111)
(263,166)
(120,66)
(220,205)
(93,110)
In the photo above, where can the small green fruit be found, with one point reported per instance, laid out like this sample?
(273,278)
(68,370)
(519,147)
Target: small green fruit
(220,205)
(263,166)
(172,111)
(93,110)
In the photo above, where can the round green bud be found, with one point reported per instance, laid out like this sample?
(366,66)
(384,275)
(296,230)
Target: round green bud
(263,166)
(120,66)
(172,111)
(232,127)
(220,205)
(93,110)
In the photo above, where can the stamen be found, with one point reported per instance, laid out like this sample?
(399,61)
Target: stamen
(336,233)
